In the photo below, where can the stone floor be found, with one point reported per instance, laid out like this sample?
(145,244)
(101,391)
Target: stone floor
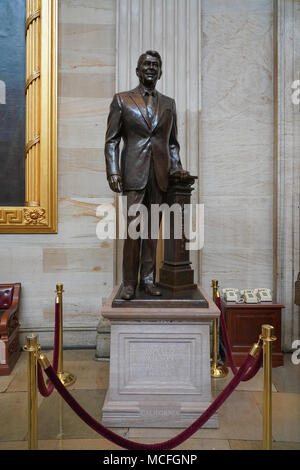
(240,417)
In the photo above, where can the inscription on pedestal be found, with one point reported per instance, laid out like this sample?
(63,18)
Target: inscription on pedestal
(163,361)
(150,361)
(160,412)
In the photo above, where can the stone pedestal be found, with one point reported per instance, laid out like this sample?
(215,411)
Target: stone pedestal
(159,366)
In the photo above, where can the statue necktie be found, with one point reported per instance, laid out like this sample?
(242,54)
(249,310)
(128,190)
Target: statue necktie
(150,107)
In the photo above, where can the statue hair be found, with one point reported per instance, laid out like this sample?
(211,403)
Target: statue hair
(152,54)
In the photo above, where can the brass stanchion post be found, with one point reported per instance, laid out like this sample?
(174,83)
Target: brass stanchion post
(267,338)
(66,378)
(216,371)
(31,347)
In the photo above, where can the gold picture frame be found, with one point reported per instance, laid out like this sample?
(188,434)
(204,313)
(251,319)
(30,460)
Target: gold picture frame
(39,215)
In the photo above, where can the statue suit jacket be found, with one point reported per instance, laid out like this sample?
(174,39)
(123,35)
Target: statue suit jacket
(143,140)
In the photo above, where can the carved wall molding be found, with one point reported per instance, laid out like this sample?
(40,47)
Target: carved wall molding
(287,164)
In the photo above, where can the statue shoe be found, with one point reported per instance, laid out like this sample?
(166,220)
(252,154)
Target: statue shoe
(151,289)
(127,292)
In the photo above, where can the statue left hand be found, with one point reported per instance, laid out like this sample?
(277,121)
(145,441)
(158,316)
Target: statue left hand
(180,173)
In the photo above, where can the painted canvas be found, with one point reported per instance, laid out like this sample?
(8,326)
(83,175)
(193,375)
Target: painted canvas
(12,102)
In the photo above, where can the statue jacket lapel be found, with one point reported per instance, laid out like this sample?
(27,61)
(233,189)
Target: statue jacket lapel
(140,103)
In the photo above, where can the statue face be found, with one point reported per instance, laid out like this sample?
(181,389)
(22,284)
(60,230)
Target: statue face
(149,71)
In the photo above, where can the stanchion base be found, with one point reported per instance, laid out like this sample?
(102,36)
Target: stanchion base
(66,378)
(218,372)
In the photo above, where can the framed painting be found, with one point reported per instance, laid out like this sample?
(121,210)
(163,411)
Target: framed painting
(28,116)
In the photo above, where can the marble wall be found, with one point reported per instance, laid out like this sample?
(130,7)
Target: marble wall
(237,143)
(74,256)
(250,149)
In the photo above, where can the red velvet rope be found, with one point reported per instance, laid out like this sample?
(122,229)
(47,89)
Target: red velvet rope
(167,445)
(43,389)
(226,338)
(255,368)
(258,360)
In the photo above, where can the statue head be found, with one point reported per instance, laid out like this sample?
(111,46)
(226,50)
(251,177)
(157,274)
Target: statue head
(149,68)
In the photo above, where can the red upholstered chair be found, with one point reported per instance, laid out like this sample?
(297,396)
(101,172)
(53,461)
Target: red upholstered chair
(9,327)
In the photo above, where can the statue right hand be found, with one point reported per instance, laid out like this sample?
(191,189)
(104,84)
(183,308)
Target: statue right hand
(115,183)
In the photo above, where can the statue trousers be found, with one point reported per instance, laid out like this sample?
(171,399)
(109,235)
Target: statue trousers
(139,255)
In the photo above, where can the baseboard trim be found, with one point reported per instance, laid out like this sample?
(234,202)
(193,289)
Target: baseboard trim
(73,337)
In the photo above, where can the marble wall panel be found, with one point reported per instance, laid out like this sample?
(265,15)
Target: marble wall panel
(88,159)
(88,85)
(78,259)
(237,222)
(78,221)
(82,173)
(236,7)
(248,174)
(87,37)
(85,183)
(83,168)
(80,296)
(82,132)
(82,107)
(10,262)
(91,60)
(99,12)
(237,143)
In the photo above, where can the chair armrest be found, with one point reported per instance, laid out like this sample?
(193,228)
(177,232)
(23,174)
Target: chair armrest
(7,315)
(4,320)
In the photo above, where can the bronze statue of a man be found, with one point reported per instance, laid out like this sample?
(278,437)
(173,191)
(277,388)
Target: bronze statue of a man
(146,121)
